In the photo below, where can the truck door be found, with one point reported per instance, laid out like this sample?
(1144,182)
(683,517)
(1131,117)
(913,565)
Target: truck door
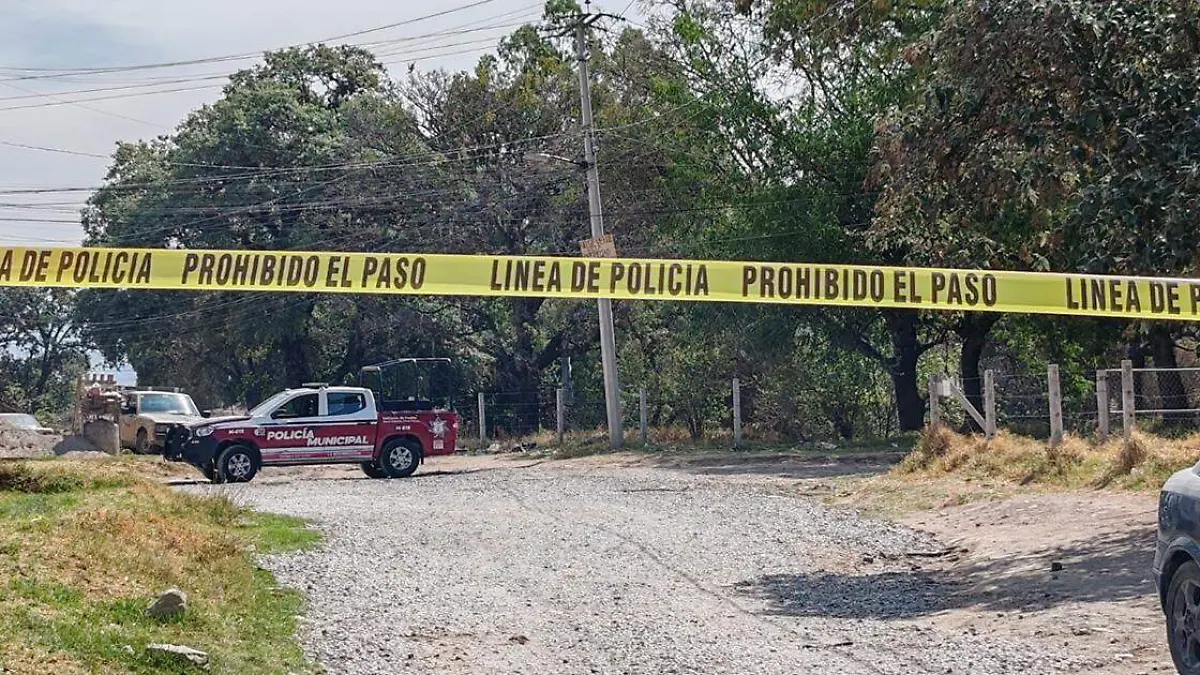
(350,426)
(288,437)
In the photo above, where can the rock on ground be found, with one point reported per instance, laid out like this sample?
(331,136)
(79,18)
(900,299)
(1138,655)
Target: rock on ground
(180,653)
(552,569)
(22,443)
(169,605)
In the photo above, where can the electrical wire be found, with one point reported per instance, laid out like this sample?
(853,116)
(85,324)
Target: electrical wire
(57,72)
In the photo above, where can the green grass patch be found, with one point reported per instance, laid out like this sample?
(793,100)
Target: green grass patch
(85,546)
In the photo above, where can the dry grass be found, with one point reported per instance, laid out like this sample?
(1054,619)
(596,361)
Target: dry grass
(1076,463)
(86,545)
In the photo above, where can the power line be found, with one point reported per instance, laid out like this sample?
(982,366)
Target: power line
(46,73)
(220,77)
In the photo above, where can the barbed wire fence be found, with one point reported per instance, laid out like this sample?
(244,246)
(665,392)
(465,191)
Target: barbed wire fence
(1031,404)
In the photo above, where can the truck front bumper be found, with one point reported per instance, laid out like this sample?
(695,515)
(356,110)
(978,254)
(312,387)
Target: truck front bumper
(182,445)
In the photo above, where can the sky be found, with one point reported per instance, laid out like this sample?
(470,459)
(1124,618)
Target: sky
(69,133)
(44,108)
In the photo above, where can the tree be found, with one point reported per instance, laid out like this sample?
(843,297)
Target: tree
(41,353)
(792,185)
(311,149)
(1048,149)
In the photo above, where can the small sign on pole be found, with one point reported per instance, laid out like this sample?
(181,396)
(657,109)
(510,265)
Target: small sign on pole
(600,247)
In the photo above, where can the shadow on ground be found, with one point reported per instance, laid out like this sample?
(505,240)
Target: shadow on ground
(1109,568)
(793,466)
(334,473)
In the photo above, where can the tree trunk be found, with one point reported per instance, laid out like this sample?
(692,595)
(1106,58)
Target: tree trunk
(1172,395)
(973,330)
(902,367)
(843,423)
(1137,355)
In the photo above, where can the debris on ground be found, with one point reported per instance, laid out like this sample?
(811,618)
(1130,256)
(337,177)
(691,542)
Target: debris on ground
(180,652)
(499,448)
(23,443)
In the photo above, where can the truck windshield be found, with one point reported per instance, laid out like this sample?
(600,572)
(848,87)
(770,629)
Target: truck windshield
(169,404)
(268,406)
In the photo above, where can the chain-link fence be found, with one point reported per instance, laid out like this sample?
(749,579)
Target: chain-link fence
(1035,404)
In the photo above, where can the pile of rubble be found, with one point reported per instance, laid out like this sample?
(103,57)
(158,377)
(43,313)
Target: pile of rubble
(23,443)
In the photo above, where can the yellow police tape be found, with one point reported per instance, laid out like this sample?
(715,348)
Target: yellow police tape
(617,278)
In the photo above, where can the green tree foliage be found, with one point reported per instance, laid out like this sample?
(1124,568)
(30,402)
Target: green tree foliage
(41,353)
(1030,134)
(1052,135)
(792,169)
(311,150)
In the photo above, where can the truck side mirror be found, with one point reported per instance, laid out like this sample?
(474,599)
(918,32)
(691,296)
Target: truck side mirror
(206,414)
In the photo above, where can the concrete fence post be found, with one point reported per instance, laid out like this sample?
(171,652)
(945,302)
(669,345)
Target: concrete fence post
(1102,407)
(643,420)
(1128,402)
(560,413)
(737,413)
(935,393)
(989,404)
(483,435)
(1056,415)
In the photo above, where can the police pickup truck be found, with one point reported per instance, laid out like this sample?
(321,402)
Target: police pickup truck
(317,424)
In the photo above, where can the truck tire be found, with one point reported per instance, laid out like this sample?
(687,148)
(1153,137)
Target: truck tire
(373,470)
(141,444)
(400,457)
(237,464)
(1181,607)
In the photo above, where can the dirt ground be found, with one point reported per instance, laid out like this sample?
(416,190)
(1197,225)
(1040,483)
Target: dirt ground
(1072,568)
(1054,567)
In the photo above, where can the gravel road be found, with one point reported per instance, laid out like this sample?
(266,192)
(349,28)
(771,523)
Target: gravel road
(552,568)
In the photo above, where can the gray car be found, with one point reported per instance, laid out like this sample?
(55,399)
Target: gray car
(23,421)
(1176,569)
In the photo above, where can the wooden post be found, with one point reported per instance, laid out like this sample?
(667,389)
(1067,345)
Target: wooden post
(482,421)
(560,411)
(737,413)
(1128,403)
(989,404)
(642,417)
(935,392)
(1102,407)
(1056,416)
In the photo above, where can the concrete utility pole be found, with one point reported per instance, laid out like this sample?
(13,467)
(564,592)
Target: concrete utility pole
(608,342)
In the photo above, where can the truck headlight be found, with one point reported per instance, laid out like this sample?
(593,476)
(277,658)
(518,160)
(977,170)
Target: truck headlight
(162,428)
(204,431)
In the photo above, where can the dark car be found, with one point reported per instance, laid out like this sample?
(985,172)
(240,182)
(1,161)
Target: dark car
(1176,571)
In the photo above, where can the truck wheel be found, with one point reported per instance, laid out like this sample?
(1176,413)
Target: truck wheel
(373,470)
(237,464)
(141,445)
(400,457)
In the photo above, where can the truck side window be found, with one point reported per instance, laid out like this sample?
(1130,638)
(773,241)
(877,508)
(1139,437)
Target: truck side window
(346,403)
(299,407)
